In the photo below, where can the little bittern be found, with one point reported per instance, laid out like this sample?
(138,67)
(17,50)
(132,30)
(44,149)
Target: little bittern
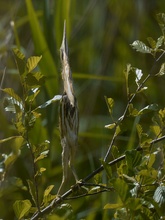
(69,118)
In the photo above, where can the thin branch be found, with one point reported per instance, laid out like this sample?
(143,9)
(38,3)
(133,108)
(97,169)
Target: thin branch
(152,72)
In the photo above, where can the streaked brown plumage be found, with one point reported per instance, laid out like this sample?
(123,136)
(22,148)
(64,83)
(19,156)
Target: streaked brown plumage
(69,118)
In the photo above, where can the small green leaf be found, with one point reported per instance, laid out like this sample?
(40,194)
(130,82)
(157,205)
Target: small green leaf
(139,130)
(151,160)
(162,70)
(11,93)
(42,155)
(141,47)
(113,206)
(110,126)
(110,104)
(159,42)
(152,42)
(20,60)
(48,190)
(21,208)
(132,111)
(19,54)
(32,62)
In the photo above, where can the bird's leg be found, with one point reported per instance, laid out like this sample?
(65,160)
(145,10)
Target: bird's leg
(65,161)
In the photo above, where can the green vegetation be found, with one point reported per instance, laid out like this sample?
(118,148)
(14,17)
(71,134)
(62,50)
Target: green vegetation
(120,160)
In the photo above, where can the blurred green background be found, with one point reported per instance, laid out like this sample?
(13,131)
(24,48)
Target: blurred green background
(99,36)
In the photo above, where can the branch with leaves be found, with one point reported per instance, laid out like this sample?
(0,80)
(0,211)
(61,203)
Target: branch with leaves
(139,176)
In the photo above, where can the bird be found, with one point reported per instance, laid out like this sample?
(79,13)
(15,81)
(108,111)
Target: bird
(68,115)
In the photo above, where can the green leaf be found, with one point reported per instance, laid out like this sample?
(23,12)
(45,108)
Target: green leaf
(148,108)
(133,158)
(151,160)
(20,60)
(110,126)
(113,206)
(42,155)
(48,190)
(161,21)
(159,195)
(19,54)
(110,104)
(122,188)
(11,93)
(32,62)
(159,42)
(141,47)
(152,42)
(21,208)
(35,79)
(162,70)
(132,111)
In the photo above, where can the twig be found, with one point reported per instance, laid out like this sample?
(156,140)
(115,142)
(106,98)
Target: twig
(58,200)
(152,72)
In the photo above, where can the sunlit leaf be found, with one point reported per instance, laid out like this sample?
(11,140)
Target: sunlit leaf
(113,206)
(48,190)
(159,42)
(11,93)
(19,54)
(110,104)
(159,195)
(132,111)
(141,47)
(32,62)
(156,130)
(149,108)
(42,155)
(152,42)
(20,60)
(151,160)
(139,130)
(21,208)
(162,70)
(110,126)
